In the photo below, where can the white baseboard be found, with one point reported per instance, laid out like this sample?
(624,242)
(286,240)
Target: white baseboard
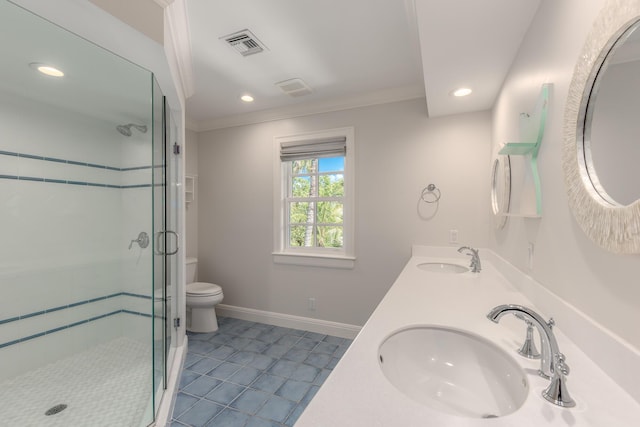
(342,330)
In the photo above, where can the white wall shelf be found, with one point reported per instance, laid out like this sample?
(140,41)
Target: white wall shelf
(189,189)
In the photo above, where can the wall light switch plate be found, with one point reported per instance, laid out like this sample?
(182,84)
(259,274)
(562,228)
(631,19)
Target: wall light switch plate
(453,236)
(311,304)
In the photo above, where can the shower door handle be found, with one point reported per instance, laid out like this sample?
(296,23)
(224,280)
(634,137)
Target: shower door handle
(177,239)
(163,251)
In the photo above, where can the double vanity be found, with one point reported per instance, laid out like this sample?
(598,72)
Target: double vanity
(430,355)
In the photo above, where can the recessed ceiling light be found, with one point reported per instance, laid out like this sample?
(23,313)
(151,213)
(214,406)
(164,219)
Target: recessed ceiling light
(463,91)
(46,69)
(247,98)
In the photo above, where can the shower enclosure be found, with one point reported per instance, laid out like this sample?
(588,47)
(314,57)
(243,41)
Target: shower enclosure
(88,213)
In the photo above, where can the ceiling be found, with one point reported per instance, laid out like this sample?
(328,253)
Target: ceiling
(349,52)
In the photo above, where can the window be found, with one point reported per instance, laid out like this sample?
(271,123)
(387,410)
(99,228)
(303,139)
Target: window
(314,208)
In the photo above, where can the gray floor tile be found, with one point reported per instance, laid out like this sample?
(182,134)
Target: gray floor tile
(293,390)
(270,336)
(296,354)
(201,347)
(250,401)
(276,350)
(307,397)
(325,347)
(262,362)
(288,340)
(283,368)
(221,338)
(224,370)
(257,346)
(200,414)
(225,393)
(305,373)
(187,378)
(322,376)
(315,336)
(334,340)
(183,402)
(201,386)
(245,376)
(221,352)
(276,409)
(205,365)
(248,382)
(239,343)
(191,359)
(269,383)
(252,332)
(295,414)
(306,343)
(318,360)
(259,422)
(229,418)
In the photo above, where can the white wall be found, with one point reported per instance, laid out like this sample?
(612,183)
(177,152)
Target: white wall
(399,151)
(601,284)
(191,169)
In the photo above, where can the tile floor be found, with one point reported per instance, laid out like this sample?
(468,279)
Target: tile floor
(250,374)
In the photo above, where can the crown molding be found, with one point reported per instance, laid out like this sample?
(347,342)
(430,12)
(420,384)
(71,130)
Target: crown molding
(178,44)
(385,96)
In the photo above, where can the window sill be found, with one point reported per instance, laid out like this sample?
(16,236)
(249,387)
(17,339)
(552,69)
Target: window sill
(314,260)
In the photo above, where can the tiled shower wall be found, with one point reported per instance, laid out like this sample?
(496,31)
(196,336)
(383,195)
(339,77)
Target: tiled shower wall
(74,194)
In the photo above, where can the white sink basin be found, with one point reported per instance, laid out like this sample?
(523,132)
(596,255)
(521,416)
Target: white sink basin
(443,267)
(453,371)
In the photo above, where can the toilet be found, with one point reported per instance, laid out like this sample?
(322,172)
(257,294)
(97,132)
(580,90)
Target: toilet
(201,300)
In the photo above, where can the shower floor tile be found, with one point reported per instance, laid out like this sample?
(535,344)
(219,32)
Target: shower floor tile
(107,385)
(276,373)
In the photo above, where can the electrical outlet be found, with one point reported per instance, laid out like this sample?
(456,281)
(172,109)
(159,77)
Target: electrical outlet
(453,236)
(311,304)
(530,256)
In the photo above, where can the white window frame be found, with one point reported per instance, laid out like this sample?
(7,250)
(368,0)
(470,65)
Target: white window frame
(319,257)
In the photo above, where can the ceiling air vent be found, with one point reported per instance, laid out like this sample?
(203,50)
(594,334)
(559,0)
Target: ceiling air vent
(244,42)
(294,87)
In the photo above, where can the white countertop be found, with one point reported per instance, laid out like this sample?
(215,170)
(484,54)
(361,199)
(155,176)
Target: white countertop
(358,394)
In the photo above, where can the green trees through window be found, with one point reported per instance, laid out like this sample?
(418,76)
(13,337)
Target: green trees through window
(316,202)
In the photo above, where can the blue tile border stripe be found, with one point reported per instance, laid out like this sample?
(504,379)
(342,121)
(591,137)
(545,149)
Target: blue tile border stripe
(75,304)
(71,162)
(83,183)
(71,325)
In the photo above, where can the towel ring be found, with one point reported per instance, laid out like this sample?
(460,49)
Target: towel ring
(429,194)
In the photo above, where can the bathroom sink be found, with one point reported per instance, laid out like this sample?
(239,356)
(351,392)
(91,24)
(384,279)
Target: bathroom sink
(443,267)
(453,371)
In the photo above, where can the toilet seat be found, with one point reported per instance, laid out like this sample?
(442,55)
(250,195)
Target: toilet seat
(203,289)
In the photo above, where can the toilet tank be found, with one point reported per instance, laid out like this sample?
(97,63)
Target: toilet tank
(192,269)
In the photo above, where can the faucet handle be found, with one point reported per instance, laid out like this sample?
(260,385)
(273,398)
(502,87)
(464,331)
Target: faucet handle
(528,348)
(557,392)
(560,365)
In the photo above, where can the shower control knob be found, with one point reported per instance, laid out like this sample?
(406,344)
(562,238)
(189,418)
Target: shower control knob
(142,240)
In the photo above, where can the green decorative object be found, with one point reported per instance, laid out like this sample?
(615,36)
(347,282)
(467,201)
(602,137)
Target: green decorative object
(531,132)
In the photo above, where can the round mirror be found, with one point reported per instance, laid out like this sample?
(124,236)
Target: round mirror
(602,128)
(501,189)
(612,124)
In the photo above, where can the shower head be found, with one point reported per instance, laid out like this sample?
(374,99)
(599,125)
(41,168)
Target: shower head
(126,129)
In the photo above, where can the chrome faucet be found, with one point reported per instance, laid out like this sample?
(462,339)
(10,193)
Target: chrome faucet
(552,364)
(475,258)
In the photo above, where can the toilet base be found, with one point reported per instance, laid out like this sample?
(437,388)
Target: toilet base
(202,320)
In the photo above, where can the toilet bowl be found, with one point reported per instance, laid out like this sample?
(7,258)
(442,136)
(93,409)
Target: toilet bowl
(201,299)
